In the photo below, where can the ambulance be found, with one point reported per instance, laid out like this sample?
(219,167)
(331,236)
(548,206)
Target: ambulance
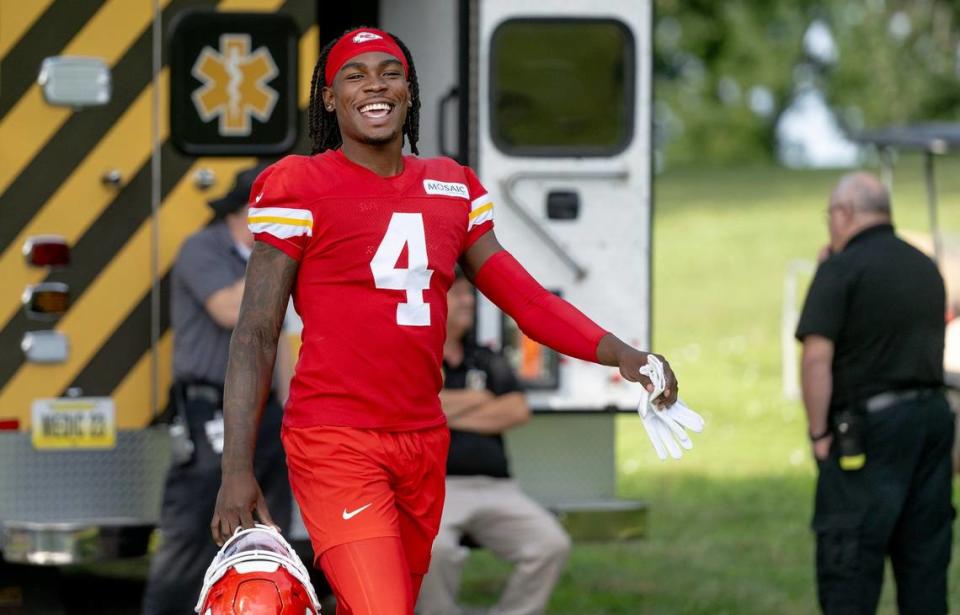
(120,119)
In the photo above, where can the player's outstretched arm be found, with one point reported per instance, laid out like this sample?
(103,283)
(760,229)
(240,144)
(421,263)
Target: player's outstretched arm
(550,320)
(253,350)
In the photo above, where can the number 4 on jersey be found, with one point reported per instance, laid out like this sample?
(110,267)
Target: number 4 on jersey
(405,230)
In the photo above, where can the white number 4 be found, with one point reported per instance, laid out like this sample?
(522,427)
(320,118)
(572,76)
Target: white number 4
(405,229)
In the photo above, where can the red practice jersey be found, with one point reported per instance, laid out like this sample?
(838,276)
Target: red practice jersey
(376,257)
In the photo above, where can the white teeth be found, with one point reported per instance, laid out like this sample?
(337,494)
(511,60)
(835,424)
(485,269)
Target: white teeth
(375,107)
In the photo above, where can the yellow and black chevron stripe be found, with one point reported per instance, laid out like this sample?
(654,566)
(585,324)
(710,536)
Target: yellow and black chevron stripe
(51,163)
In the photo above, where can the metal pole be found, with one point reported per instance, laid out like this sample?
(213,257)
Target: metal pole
(932,206)
(789,315)
(886,168)
(155,196)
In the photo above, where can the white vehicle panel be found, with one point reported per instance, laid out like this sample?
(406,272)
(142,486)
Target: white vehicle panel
(600,261)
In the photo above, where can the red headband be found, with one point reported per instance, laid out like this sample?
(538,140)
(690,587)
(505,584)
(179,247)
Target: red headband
(360,41)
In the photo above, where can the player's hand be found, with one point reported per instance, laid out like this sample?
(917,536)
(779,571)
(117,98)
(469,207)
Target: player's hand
(631,360)
(239,504)
(613,351)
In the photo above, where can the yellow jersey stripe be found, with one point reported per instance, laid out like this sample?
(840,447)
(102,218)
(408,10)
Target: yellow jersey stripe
(275,220)
(481,210)
(483,199)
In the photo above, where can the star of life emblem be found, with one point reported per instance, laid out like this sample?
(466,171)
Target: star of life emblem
(234,85)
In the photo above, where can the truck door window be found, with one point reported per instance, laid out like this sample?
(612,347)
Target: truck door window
(562,87)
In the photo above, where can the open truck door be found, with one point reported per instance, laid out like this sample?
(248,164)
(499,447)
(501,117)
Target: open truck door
(562,142)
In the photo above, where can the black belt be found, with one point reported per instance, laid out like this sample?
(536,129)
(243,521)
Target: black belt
(887,399)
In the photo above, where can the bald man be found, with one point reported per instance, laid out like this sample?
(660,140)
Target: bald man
(872,330)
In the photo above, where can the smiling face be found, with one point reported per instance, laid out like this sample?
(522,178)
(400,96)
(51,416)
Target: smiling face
(371,96)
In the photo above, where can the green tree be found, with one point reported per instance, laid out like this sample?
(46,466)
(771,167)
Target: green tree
(712,59)
(725,71)
(898,62)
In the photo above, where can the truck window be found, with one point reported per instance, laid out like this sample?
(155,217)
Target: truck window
(562,87)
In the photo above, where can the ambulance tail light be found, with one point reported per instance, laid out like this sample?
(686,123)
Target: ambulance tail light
(46,301)
(537,366)
(9,424)
(46,251)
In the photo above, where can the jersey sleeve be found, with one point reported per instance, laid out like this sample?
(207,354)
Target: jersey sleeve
(481,209)
(276,215)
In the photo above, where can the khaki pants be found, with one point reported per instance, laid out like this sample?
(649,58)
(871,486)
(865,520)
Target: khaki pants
(501,518)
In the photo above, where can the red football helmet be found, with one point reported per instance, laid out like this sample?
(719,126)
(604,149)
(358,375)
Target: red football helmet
(257,572)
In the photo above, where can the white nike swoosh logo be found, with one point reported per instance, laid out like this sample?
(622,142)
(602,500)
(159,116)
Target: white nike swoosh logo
(259,196)
(350,515)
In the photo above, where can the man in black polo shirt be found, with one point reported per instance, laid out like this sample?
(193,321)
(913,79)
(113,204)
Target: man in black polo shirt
(872,330)
(481,399)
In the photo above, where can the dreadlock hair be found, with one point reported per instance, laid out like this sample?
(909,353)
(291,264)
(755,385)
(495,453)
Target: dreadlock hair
(324,130)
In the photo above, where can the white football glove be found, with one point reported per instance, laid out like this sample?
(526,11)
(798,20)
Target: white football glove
(665,427)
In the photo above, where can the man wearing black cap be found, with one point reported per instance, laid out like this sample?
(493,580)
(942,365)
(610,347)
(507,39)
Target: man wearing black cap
(206,287)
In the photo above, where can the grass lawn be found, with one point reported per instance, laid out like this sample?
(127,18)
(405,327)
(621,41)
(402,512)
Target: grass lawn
(728,526)
(729,522)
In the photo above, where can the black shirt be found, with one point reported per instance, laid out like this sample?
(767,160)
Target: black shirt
(882,303)
(471,453)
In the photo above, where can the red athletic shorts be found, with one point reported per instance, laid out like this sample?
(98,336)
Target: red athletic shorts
(353,484)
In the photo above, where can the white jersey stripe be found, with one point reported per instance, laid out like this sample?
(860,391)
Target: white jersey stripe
(480,201)
(280,212)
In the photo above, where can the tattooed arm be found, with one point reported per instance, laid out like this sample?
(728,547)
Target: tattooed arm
(253,349)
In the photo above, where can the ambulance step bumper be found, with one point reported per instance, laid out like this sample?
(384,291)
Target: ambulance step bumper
(74,506)
(60,544)
(608,519)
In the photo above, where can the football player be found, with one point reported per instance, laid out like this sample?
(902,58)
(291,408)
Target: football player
(366,240)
